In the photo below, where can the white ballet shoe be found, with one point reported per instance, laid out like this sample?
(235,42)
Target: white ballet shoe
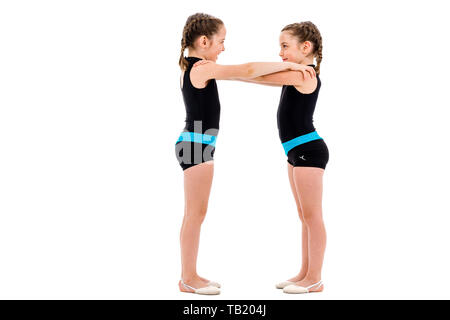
(214,284)
(209,290)
(283,284)
(299,289)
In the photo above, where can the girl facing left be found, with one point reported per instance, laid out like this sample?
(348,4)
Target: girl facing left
(204,36)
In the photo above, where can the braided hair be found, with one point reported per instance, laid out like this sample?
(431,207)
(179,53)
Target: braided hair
(197,25)
(307,31)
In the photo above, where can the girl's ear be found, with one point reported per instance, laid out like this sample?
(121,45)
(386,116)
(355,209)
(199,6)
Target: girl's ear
(203,41)
(306,47)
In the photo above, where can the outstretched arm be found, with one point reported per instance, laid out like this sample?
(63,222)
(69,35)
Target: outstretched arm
(252,70)
(288,78)
(257,81)
(296,75)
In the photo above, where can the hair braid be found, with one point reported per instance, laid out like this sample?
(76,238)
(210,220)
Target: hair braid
(185,41)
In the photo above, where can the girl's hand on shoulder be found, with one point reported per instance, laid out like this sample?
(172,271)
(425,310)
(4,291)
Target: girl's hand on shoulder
(202,62)
(308,72)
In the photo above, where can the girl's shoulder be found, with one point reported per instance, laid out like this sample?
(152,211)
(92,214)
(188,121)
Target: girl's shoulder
(310,87)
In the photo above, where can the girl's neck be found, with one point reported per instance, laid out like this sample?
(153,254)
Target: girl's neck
(196,55)
(307,61)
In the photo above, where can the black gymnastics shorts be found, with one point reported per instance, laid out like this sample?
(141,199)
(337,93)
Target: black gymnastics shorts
(190,153)
(310,154)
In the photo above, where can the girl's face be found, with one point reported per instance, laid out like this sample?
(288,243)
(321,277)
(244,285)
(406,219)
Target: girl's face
(291,50)
(216,44)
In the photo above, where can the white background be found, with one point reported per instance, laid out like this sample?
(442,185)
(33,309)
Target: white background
(91,194)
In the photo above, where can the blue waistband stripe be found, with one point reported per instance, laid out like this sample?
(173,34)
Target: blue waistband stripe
(288,145)
(197,137)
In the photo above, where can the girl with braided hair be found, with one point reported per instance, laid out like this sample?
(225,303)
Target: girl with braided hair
(307,153)
(204,36)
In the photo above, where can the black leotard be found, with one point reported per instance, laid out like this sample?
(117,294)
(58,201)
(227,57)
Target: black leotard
(196,143)
(295,112)
(201,104)
(303,146)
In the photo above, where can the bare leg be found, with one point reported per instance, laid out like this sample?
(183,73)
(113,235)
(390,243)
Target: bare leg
(309,185)
(197,187)
(181,233)
(304,267)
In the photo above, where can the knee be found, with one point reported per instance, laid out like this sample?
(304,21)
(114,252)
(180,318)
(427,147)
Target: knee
(312,217)
(196,214)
